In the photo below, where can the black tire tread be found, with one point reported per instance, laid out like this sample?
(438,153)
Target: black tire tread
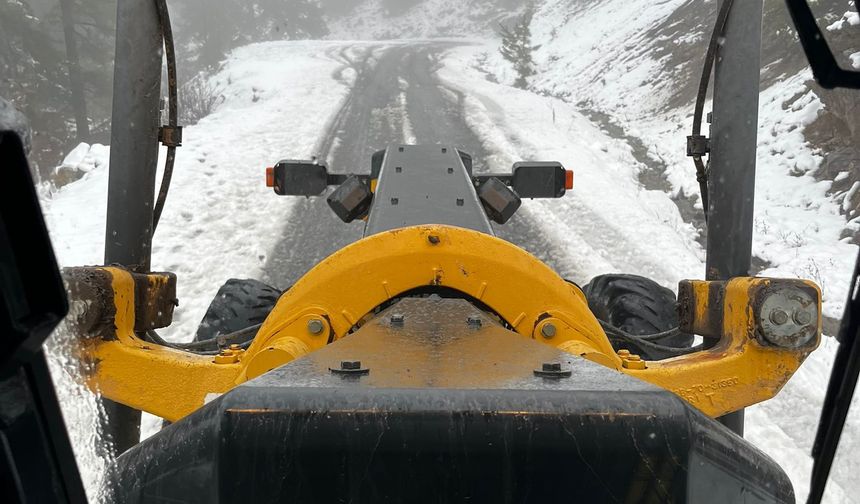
(636,305)
(239,303)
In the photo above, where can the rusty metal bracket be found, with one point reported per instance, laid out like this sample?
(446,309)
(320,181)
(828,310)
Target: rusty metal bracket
(698,145)
(170,136)
(154,300)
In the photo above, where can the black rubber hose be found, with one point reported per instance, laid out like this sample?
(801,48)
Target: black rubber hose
(173,114)
(243,338)
(646,343)
(701,96)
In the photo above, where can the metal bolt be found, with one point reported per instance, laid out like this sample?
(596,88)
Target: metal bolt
(315,326)
(394,201)
(802,317)
(433,239)
(397,320)
(474,321)
(548,330)
(552,370)
(235,348)
(624,353)
(350,365)
(460,201)
(634,358)
(450,170)
(778,317)
(551,366)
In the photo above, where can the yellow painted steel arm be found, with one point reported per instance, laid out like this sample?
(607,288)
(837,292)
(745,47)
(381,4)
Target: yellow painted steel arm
(162,381)
(344,290)
(742,368)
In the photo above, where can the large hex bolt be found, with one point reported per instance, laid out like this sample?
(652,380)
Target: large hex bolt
(315,326)
(350,368)
(787,317)
(548,330)
(778,317)
(552,370)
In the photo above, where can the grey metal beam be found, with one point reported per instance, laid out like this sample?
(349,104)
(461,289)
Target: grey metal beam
(133,159)
(733,150)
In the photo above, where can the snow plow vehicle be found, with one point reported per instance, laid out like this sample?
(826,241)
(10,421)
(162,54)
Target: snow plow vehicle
(433,359)
(428,361)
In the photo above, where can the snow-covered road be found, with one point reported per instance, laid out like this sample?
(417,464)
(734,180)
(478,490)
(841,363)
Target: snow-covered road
(341,101)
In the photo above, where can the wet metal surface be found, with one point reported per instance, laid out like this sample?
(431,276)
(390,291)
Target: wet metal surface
(437,347)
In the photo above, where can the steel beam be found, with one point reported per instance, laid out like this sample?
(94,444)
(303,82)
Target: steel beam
(733,151)
(133,159)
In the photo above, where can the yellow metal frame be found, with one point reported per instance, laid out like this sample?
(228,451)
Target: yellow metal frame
(342,289)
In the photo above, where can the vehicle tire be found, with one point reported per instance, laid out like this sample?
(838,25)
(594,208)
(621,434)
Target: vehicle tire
(637,305)
(239,304)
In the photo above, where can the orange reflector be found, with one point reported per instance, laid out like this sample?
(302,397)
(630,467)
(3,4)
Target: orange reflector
(568,179)
(270,177)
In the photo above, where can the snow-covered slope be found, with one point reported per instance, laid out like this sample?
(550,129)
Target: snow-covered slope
(637,61)
(214,222)
(371,19)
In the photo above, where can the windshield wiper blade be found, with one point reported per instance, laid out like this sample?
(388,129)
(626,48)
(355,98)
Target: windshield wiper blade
(840,390)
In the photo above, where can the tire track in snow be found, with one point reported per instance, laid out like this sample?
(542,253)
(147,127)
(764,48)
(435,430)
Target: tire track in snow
(397,97)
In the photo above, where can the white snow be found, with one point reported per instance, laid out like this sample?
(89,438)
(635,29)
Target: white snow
(850,17)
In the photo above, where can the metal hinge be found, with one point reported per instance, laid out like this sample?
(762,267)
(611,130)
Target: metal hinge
(170,136)
(698,145)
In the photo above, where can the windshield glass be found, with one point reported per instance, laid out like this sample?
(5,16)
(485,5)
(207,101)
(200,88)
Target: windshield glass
(606,88)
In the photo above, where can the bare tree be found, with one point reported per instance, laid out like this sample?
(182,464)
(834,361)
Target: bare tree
(517,47)
(76,84)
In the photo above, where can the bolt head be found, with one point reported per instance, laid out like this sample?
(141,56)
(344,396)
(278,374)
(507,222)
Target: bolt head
(802,317)
(548,330)
(624,353)
(397,319)
(350,365)
(315,326)
(551,366)
(433,239)
(778,317)
(474,321)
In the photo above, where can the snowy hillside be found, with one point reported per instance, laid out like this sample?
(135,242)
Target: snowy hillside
(632,69)
(372,20)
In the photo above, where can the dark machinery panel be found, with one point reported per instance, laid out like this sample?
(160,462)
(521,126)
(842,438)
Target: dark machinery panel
(425,184)
(418,407)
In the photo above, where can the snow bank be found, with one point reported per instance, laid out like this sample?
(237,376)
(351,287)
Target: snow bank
(610,223)
(220,219)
